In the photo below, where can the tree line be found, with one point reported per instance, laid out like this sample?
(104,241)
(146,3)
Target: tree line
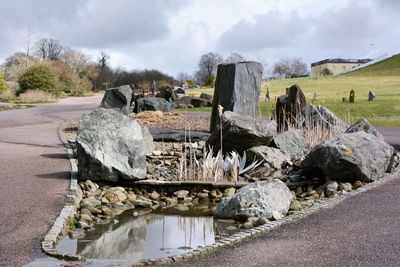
(207,67)
(66,70)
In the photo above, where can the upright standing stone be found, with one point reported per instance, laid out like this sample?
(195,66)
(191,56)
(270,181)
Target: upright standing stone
(289,106)
(352,96)
(267,96)
(371,96)
(237,89)
(118,99)
(315,95)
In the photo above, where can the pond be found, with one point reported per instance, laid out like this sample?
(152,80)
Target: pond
(158,234)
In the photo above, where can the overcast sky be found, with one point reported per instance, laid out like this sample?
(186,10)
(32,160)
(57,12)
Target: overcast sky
(171,35)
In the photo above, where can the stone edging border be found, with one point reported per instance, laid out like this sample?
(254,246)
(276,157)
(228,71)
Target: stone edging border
(67,213)
(75,196)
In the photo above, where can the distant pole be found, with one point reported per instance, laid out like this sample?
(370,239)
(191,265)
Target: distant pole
(106,84)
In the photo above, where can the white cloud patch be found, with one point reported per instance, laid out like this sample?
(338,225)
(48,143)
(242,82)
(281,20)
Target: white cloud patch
(271,30)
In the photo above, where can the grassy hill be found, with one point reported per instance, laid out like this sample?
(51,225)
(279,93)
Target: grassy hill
(382,78)
(388,67)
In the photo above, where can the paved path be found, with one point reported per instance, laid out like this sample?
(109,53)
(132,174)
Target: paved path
(34,174)
(360,231)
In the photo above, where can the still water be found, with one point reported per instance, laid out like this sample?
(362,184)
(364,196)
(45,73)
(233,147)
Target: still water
(158,234)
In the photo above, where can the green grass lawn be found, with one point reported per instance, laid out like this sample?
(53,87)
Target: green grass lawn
(384,110)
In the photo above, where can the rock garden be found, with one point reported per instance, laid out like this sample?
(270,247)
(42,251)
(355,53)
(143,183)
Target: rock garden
(136,157)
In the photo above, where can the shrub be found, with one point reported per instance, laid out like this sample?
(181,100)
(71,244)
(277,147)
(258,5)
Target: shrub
(190,82)
(37,77)
(210,81)
(326,72)
(3,84)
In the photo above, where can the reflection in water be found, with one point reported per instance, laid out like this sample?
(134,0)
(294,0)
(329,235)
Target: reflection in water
(154,235)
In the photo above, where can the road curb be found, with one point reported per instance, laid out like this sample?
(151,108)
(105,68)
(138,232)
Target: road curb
(67,213)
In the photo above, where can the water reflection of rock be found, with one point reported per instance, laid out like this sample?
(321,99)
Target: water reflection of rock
(164,232)
(124,240)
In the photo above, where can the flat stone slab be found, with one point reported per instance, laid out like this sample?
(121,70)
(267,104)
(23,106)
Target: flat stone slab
(172,135)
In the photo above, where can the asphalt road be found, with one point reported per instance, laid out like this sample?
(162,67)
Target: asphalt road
(363,230)
(34,174)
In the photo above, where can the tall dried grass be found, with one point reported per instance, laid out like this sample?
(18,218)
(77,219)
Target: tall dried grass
(36,96)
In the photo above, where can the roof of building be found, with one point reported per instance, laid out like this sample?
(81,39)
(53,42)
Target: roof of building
(340,60)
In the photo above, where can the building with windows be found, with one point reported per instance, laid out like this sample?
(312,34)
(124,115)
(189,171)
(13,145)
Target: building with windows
(335,66)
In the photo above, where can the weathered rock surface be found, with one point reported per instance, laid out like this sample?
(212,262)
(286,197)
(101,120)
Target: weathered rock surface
(321,117)
(172,135)
(184,100)
(206,96)
(260,199)
(273,156)
(199,102)
(241,132)
(291,142)
(179,91)
(118,99)
(237,89)
(110,146)
(350,157)
(148,140)
(365,126)
(289,106)
(152,104)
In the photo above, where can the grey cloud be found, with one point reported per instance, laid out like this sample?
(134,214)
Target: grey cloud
(98,24)
(268,31)
(348,28)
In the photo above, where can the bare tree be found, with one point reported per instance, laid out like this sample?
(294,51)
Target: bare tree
(182,77)
(48,49)
(16,64)
(234,58)
(76,60)
(208,66)
(290,67)
(28,46)
(103,60)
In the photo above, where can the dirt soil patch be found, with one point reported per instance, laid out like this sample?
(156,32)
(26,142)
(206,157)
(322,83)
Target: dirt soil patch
(196,122)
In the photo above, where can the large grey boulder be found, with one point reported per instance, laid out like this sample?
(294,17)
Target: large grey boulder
(200,102)
(292,142)
(350,157)
(365,126)
(241,132)
(312,116)
(237,89)
(274,157)
(206,96)
(110,147)
(259,199)
(152,104)
(187,99)
(118,99)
